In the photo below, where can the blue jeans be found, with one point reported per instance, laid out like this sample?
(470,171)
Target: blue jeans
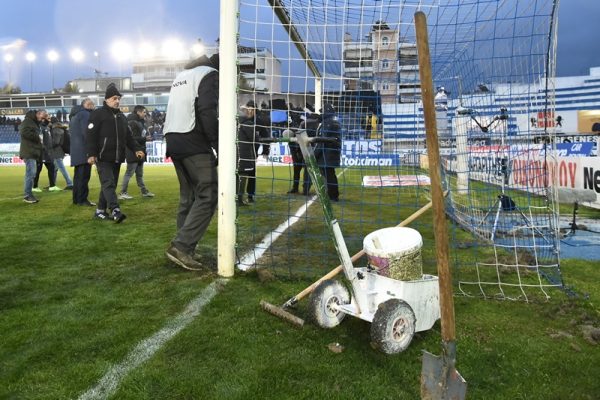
(30,172)
(60,166)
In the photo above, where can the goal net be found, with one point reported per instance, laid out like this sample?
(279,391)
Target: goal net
(493,66)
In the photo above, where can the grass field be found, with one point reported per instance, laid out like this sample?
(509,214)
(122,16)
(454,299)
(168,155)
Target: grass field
(77,296)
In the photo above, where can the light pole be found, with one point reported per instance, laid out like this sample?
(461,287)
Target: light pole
(8,58)
(77,55)
(52,57)
(30,56)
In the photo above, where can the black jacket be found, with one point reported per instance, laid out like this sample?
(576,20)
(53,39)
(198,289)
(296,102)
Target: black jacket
(138,130)
(31,141)
(205,136)
(247,138)
(108,134)
(78,122)
(328,153)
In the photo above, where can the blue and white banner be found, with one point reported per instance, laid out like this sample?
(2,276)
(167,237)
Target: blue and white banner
(581,149)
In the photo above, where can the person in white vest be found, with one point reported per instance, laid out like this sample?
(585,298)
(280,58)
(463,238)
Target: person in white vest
(192,133)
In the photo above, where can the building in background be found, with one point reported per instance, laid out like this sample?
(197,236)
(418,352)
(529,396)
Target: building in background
(382,63)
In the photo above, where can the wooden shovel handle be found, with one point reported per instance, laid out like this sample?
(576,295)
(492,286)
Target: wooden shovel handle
(440,229)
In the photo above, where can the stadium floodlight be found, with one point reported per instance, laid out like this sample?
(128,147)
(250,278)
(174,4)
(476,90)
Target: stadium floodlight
(121,50)
(52,57)
(173,49)
(146,50)
(30,56)
(197,49)
(8,58)
(77,55)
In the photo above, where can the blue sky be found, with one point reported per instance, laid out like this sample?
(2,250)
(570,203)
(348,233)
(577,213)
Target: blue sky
(95,25)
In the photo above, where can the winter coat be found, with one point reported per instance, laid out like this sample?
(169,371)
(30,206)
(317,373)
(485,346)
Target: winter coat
(328,153)
(31,137)
(247,138)
(108,134)
(78,121)
(138,130)
(47,155)
(57,133)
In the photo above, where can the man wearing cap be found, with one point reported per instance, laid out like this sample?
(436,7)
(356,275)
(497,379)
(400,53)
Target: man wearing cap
(107,136)
(192,134)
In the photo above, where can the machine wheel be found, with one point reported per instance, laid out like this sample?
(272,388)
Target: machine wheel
(323,300)
(393,326)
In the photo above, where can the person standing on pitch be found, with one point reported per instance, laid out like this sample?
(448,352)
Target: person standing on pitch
(78,121)
(192,134)
(107,136)
(59,135)
(134,164)
(328,153)
(247,138)
(31,149)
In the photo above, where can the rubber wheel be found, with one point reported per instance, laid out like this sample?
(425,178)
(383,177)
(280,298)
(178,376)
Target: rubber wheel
(393,327)
(322,301)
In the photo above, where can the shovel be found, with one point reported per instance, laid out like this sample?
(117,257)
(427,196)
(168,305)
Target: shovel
(439,378)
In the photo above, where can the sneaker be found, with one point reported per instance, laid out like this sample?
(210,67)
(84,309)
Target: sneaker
(125,196)
(183,260)
(250,199)
(30,199)
(88,203)
(68,187)
(101,215)
(36,190)
(242,203)
(147,194)
(54,189)
(117,215)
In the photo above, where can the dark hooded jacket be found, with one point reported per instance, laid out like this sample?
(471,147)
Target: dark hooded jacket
(138,130)
(78,121)
(247,138)
(328,153)
(108,134)
(31,137)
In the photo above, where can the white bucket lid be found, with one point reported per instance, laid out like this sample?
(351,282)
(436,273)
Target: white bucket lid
(394,241)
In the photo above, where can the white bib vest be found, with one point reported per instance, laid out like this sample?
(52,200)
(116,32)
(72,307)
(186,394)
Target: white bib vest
(181,114)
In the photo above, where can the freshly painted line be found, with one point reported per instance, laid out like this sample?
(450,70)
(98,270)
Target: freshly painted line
(249,260)
(107,386)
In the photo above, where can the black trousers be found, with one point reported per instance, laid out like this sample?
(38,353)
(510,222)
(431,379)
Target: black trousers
(331,181)
(81,180)
(198,196)
(298,167)
(108,172)
(51,173)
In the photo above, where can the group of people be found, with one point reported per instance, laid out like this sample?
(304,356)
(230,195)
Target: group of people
(94,137)
(106,138)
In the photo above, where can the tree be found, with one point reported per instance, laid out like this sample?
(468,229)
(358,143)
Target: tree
(10,89)
(71,87)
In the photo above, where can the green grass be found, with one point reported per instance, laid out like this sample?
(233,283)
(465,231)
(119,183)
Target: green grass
(77,295)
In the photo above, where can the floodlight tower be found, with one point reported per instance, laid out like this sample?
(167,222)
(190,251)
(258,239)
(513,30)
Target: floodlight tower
(30,57)
(52,56)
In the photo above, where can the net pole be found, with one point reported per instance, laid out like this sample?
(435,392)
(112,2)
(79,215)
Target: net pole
(227,136)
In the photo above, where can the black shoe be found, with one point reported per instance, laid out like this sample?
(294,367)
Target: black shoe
(292,191)
(334,199)
(250,199)
(30,199)
(101,215)
(117,215)
(87,203)
(70,187)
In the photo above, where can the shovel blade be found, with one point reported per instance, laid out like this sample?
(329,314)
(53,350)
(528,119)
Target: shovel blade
(440,380)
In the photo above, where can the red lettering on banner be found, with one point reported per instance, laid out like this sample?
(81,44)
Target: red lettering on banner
(572,170)
(562,174)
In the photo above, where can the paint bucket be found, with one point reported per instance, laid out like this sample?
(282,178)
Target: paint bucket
(395,253)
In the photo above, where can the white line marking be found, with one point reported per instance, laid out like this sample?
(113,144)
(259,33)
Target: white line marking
(250,259)
(107,386)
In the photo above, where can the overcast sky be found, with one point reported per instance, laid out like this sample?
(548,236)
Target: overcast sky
(95,25)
